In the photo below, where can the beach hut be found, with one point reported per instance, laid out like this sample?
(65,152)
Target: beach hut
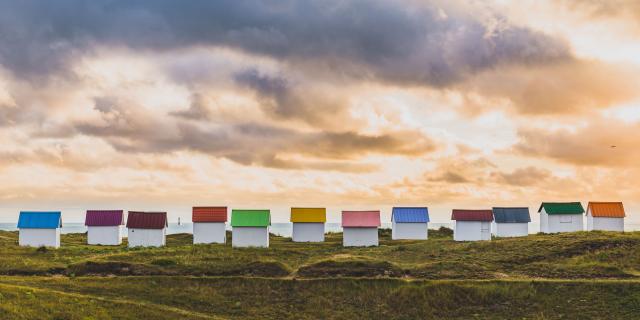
(39,228)
(104,227)
(209,224)
(410,223)
(308,224)
(561,217)
(606,216)
(147,229)
(360,228)
(511,222)
(472,225)
(250,228)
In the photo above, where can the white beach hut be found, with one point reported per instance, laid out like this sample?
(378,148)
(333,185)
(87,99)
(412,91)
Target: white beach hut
(409,223)
(471,225)
(308,224)
(360,228)
(561,217)
(39,228)
(147,229)
(104,227)
(511,222)
(209,224)
(605,216)
(250,228)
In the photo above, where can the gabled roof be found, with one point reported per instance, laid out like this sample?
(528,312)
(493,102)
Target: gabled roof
(250,218)
(147,220)
(511,215)
(209,214)
(360,219)
(562,208)
(317,215)
(40,220)
(104,218)
(472,215)
(606,209)
(410,214)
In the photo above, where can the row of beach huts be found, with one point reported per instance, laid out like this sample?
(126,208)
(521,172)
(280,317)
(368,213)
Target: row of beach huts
(250,228)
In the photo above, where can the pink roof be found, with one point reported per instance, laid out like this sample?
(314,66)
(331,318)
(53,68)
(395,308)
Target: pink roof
(360,219)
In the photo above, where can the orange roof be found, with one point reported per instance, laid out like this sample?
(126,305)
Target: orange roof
(606,209)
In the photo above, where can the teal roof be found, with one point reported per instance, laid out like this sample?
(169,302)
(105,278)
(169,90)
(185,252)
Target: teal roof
(562,208)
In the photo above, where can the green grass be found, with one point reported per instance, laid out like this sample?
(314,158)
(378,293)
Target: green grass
(563,276)
(581,255)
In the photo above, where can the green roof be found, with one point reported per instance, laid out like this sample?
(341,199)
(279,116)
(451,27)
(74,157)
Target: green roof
(562,208)
(250,218)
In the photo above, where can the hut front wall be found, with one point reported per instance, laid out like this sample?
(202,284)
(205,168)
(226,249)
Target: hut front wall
(605,224)
(409,231)
(511,229)
(146,237)
(360,237)
(308,232)
(39,238)
(555,223)
(209,232)
(472,230)
(250,237)
(105,236)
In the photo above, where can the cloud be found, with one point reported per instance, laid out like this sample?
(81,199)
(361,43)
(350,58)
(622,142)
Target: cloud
(130,129)
(522,177)
(567,87)
(592,145)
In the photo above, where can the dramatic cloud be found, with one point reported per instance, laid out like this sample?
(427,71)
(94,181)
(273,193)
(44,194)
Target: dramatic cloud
(430,44)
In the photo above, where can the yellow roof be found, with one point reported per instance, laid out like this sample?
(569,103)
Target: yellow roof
(308,215)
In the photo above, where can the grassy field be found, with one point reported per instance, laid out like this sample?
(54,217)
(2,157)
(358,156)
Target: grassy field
(564,276)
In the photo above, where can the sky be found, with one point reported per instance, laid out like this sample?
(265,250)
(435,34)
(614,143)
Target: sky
(364,104)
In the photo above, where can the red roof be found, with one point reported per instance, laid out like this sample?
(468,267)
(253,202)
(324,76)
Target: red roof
(104,218)
(209,214)
(360,219)
(147,220)
(472,215)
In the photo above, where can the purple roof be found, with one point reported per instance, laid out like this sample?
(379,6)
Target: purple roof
(104,218)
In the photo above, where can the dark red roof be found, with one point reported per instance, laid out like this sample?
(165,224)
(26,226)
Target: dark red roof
(104,218)
(209,214)
(147,220)
(472,215)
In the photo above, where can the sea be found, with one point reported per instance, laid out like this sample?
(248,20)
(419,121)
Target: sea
(280,229)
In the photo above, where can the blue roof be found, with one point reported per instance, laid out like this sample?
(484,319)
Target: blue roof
(410,214)
(40,220)
(511,215)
